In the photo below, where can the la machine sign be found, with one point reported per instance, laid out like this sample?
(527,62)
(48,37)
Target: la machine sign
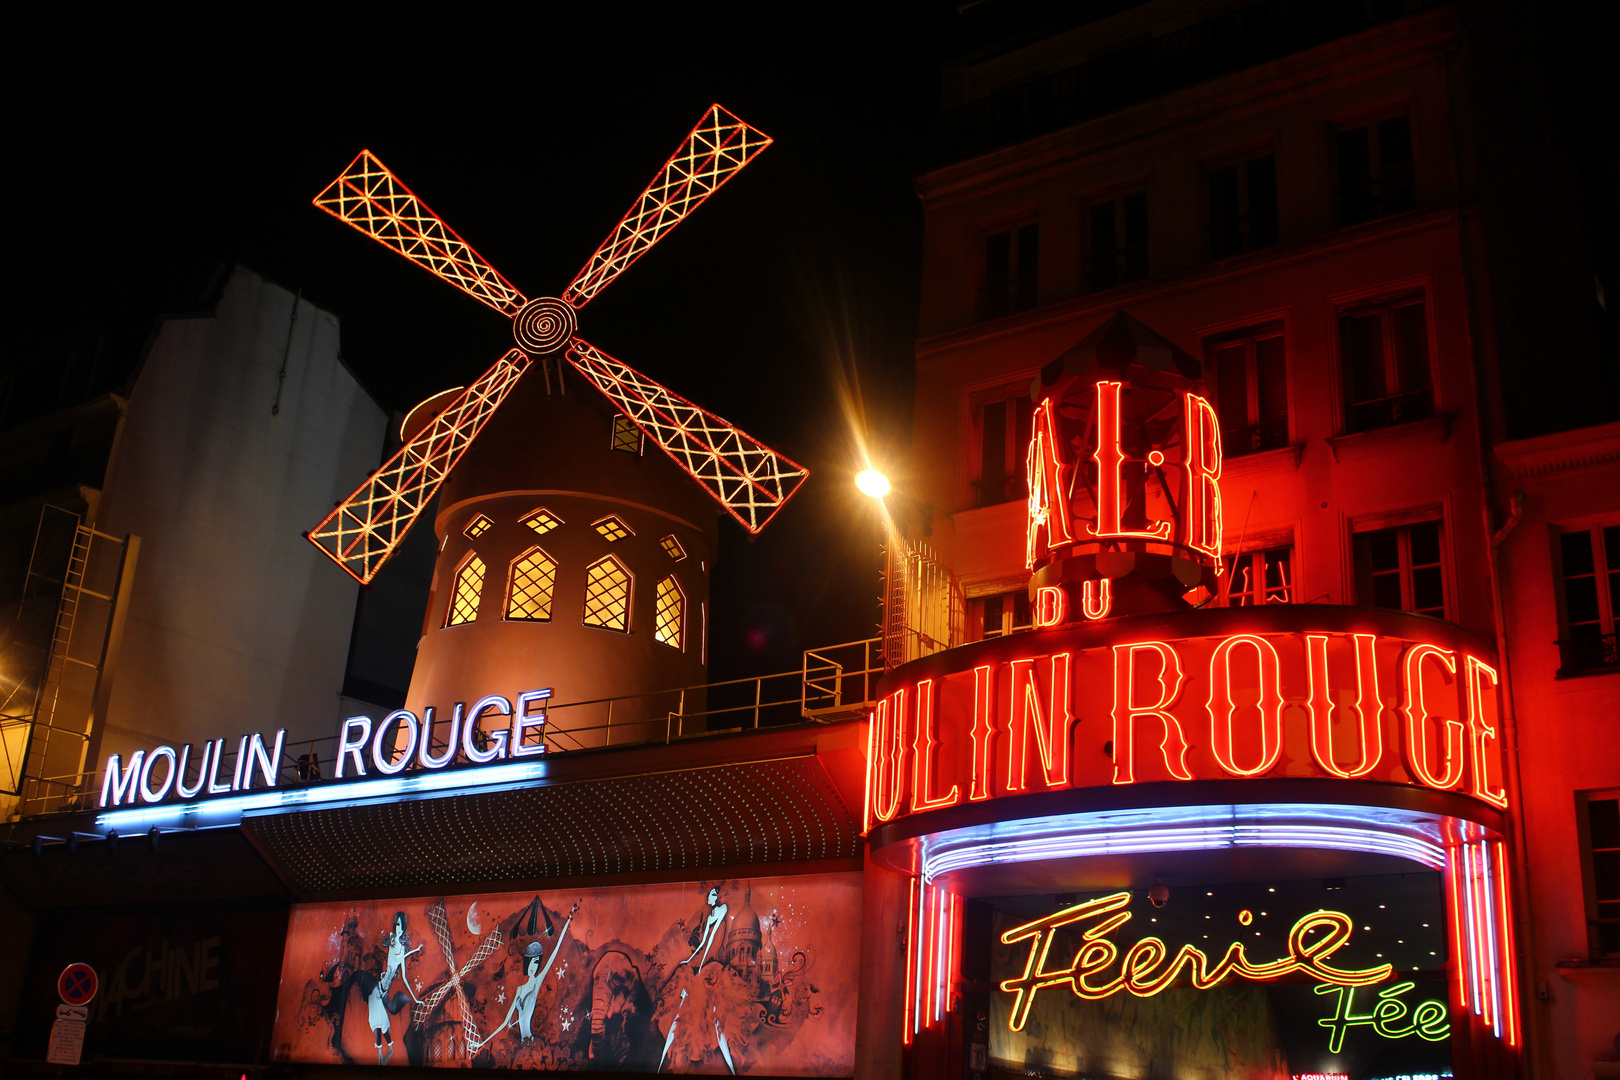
(495,729)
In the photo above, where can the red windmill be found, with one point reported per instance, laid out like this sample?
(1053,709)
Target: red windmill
(750,480)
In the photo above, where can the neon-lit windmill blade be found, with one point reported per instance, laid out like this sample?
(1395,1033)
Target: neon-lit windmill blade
(747,478)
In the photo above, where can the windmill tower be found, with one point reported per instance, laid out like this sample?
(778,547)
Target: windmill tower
(574,545)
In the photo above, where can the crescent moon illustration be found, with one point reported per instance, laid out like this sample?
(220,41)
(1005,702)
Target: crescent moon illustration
(473,926)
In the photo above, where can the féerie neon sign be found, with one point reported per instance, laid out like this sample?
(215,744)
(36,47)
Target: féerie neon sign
(494,729)
(1142,969)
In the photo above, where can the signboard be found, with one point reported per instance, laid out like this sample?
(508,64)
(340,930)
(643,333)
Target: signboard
(67,1042)
(496,729)
(180,984)
(1343,977)
(1338,696)
(77,984)
(728,976)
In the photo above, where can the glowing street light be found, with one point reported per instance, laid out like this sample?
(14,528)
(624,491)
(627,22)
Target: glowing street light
(873,483)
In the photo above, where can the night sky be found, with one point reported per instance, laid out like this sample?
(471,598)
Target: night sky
(160,145)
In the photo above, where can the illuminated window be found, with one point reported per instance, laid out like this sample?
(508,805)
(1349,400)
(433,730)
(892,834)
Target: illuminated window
(672,547)
(478,526)
(1402,569)
(1259,577)
(1598,820)
(542,520)
(529,585)
(1374,164)
(607,595)
(1118,249)
(1384,356)
(626,436)
(1242,207)
(613,528)
(669,614)
(1001,421)
(1011,271)
(464,598)
(1589,564)
(1251,388)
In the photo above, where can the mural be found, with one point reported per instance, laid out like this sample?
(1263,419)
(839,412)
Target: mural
(1290,1025)
(737,976)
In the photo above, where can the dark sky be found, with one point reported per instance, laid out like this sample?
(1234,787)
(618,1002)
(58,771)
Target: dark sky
(147,147)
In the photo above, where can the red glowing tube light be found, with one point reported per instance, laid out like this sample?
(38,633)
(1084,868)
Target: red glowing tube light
(924,751)
(1222,708)
(1050,723)
(369,197)
(366,527)
(748,478)
(1366,708)
(1127,710)
(1418,728)
(1049,483)
(1110,458)
(984,730)
(716,149)
(1482,732)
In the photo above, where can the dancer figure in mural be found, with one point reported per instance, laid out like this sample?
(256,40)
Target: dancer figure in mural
(703,939)
(523,1001)
(379,1005)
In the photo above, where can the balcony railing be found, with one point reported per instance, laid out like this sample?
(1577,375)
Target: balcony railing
(1588,655)
(1235,442)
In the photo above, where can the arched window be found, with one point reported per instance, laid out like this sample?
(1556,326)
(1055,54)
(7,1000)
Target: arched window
(464,598)
(669,614)
(529,584)
(607,595)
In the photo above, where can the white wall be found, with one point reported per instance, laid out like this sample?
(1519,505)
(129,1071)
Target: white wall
(237,623)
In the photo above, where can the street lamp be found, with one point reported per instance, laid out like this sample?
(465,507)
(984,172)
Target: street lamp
(872,483)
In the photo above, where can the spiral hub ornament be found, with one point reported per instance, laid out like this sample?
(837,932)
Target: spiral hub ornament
(544,325)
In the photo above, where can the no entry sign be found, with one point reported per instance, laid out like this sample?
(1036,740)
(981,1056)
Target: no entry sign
(77,984)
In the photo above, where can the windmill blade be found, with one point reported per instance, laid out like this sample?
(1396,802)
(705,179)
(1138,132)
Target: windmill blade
(749,479)
(489,945)
(366,527)
(371,198)
(717,148)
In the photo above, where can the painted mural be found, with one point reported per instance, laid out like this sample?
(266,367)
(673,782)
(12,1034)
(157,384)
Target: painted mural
(725,977)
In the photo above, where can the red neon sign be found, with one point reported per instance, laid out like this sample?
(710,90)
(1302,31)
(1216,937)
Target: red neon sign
(1233,705)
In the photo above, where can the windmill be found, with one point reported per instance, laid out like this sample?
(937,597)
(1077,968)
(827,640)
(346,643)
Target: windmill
(423,1009)
(748,479)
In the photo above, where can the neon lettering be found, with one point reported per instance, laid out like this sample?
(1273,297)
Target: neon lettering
(1049,479)
(495,740)
(925,748)
(1367,707)
(1222,707)
(1202,512)
(984,730)
(1313,939)
(1110,457)
(1051,724)
(239,770)
(161,753)
(1051,606)
(119,786)
(1127,710)
(215,785)
(180,788)
(1418,731)
(424,745)
(351,743)
(888,722)
(1096,597)
(1428,1021)
(264,761)
(1482,732)
(524,720)
(383,757)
